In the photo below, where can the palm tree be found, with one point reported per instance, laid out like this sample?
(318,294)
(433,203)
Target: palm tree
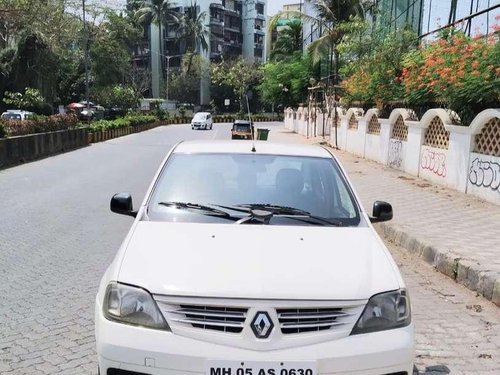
(329,15)
(157,12)
(193,32)
(289,40)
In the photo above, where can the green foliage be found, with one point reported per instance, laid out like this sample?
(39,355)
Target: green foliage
(30,100)
(182,111)
(3,132)
(456,71)
(117,96)
(184,85)
(373,65)
(286,82)
(289,41)
(125,122)
(237,74)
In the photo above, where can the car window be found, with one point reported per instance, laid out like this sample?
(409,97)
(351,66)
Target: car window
(11,116)
(312,184)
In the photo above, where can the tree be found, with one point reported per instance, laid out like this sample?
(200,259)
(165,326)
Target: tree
(330,14)
(237,74)
(157,12)
(117,96)
(184,85)
(289,41)
(285,82)
(30,100)
(111,50)
(193,32)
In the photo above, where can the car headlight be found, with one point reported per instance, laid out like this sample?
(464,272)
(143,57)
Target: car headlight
(385,311)
(132,305)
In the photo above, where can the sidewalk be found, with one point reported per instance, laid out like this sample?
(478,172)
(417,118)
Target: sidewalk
(458,234)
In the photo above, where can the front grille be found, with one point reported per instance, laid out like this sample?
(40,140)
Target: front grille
(312,319)
(216,318)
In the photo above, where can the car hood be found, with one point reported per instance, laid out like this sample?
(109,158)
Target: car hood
(257,261)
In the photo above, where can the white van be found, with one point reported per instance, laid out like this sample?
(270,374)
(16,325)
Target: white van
(202,120)
(17,114)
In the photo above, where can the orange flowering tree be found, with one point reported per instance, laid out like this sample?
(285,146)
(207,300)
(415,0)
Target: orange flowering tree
(457,71)
(374,64)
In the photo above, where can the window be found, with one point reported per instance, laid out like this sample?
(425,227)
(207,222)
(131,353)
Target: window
(312,184)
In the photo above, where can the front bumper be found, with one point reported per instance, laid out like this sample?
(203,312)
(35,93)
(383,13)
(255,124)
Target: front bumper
(154,352)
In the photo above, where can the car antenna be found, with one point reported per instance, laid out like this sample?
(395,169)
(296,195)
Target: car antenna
(251,124)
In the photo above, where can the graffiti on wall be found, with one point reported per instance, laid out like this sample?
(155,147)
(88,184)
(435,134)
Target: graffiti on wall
(395,154)
(434,161)
(485,174)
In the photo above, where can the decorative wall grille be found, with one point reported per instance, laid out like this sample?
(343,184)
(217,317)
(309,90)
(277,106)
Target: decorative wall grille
(400,130)
(436,135)
(374,126)
(353,123)
(488,141)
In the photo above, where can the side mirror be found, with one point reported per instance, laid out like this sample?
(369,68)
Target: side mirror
(382,211)
(121,203)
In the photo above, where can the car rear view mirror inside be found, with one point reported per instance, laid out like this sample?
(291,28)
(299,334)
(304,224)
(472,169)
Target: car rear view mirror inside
(121,203)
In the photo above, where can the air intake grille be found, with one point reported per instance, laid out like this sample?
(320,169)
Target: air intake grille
(311,319)
(224,319)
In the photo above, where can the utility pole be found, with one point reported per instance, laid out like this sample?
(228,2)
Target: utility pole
(86,57)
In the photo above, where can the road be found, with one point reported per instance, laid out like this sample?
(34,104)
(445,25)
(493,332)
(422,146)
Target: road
(57,237)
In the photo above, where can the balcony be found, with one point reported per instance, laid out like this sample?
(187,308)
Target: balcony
(260,17)
(218,6)
(216,21)
(232,12)
(259,46)
(232,29)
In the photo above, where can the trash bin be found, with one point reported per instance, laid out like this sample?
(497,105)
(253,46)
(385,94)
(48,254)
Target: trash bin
(262,134)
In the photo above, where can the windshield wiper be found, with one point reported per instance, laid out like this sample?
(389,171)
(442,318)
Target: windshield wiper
(259,210)
(202,209)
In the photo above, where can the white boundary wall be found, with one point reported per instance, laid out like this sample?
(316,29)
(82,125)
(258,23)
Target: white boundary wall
(457,167)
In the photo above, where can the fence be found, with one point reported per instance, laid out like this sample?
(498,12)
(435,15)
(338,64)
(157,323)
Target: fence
(465,158)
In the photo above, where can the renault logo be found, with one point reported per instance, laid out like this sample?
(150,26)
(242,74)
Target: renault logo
(262,325)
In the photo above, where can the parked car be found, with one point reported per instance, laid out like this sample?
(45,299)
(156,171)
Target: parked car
(202,120)
(252,258)
(17,114)
(242,129)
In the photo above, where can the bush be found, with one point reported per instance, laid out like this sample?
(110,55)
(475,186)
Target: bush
(125,122)
(456,71)
(3,133)
(39,124)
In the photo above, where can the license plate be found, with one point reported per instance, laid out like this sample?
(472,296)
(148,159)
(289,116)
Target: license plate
(260,368)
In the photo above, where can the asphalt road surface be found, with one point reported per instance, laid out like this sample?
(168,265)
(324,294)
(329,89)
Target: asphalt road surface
(57,236)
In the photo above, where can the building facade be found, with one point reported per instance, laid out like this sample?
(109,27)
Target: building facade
(234,28)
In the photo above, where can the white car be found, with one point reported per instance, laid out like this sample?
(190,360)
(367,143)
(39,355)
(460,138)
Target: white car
(17,114)
(252,258)
(202,120)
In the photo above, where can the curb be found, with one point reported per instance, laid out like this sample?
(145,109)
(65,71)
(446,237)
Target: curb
(464,271)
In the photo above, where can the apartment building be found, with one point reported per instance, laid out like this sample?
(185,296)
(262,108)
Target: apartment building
(235,28)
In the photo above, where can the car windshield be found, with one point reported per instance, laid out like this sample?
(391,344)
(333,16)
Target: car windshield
(241,127)
(313,185)
(200,117)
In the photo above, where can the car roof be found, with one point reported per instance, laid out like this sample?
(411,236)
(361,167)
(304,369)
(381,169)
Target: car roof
(246,146)
(202,113)
(242,122)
